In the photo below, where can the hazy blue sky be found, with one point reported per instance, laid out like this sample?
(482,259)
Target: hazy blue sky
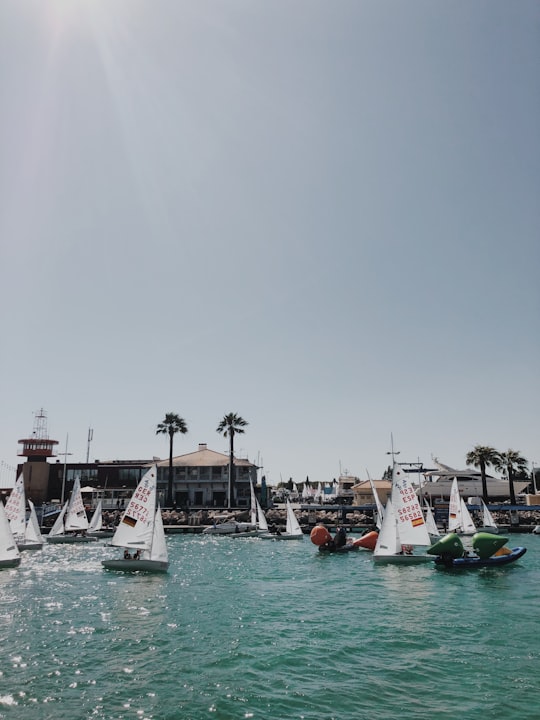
(323,216)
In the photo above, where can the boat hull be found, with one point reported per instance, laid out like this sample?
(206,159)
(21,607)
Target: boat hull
(477,562)
(71,539)
(402,559)
(136,565)
(283,536)
(29,546)
(13,562)
(98,534)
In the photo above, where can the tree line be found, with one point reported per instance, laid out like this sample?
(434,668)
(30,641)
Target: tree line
(511,463)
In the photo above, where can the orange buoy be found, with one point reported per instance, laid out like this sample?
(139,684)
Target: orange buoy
(367,541)
(320,535)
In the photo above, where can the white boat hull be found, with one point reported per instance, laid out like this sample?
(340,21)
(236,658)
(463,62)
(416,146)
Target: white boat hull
(136,565)
(243,534)
(283,536)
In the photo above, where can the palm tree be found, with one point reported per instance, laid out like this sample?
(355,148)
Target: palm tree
(482,456)
(511,462)
(231,425)
(171,425)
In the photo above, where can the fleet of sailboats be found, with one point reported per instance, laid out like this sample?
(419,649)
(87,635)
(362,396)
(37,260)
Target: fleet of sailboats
(405,529)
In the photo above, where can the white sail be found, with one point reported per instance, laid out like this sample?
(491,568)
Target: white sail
(58,527)
(262,523)
(410,521)
(379,505)
(454,508)
(9,552)
(96,521)
(467,525)
(158,551)
(16,510)
(292,526)
(253,504)
(136,526)
(488,521)
(388,542)
(33,531)
(76,518)
(431,525)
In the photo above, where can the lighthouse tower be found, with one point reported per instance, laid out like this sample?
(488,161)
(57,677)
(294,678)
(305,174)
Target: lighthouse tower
(36,449)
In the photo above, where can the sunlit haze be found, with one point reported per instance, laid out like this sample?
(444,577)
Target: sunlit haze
(322,216)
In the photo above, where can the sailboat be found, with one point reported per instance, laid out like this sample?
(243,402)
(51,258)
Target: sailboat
(141,530)
(71,525)
(459,517)
(403,527)
(293,531)
(378,504)
(9,552)
(257,516)
(488,521)
(433,530)
(34,540)
(26,533)
(95,527)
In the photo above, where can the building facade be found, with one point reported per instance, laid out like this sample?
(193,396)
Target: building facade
(200,480)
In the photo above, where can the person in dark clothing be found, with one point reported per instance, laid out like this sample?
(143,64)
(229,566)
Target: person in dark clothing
(340,538)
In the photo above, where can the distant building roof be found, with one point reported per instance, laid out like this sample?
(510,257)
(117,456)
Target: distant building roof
(203,457)
(379,485)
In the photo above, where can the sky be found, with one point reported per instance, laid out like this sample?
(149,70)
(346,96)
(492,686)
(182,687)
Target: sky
(321,215)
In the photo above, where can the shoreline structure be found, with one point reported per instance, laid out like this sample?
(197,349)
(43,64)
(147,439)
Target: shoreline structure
(195,521)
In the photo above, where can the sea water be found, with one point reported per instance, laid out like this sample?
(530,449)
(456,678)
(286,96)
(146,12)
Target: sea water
(246,628)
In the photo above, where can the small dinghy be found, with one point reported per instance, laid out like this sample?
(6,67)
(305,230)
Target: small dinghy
(141,531)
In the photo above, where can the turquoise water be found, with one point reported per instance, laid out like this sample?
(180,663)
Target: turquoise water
(244,628)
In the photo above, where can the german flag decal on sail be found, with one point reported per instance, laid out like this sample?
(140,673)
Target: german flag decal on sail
(129,521)
(417,521)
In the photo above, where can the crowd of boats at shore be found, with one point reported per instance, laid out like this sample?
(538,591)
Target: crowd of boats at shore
(404,532)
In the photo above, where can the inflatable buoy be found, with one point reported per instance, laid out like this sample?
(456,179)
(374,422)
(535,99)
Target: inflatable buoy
(486,544)
(367,541)
(320,535)
(449,545)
